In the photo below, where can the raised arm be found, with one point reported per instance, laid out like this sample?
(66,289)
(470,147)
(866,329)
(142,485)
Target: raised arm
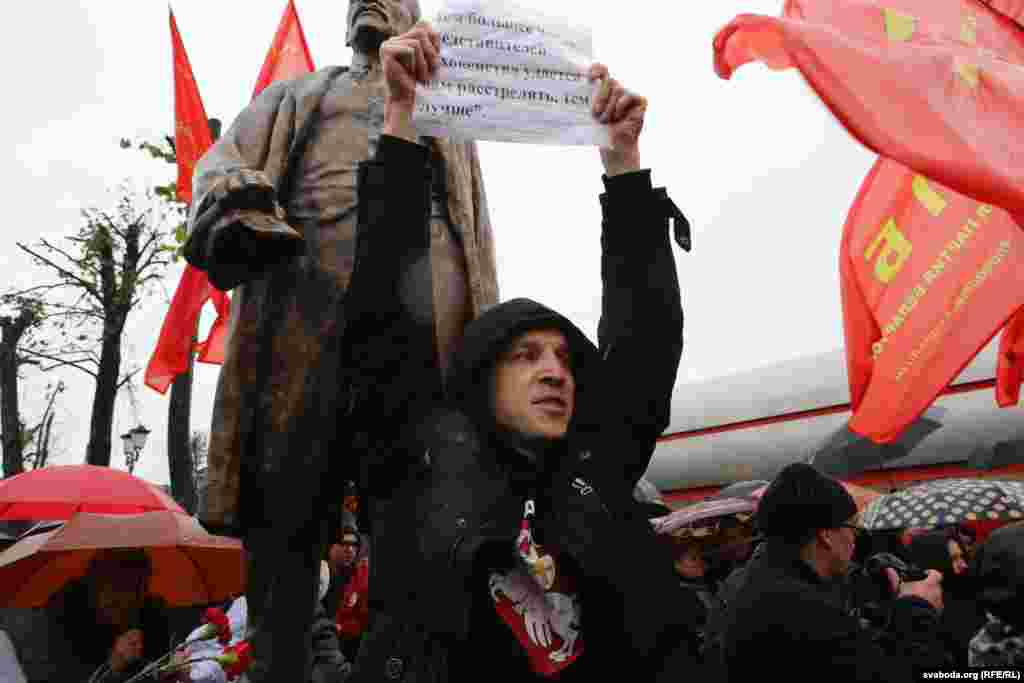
(641,329)
(390,346)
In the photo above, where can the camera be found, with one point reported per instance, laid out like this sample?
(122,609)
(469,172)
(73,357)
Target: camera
(869,590)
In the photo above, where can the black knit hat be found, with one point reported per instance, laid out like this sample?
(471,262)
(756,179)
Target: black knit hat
(800,500)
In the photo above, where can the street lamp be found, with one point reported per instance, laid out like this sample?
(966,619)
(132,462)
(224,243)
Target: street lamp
(134,440)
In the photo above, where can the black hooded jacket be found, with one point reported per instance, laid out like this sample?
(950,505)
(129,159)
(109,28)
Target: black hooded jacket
(962,614)
(446,486)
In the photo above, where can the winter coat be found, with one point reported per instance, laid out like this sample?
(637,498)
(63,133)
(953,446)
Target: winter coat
(784,608)
(446,488)
(999,572)
(286,169)
(962,613)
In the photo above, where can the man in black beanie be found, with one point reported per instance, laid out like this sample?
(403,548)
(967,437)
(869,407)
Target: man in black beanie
(788,606)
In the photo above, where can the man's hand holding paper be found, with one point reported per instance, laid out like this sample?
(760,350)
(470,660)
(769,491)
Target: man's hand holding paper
(412,58)
(509,74)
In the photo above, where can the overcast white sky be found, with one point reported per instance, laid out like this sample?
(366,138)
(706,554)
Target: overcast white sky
(762,170)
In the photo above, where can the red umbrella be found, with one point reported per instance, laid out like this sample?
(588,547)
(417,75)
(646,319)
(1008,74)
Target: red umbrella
(61,491)
(190,566)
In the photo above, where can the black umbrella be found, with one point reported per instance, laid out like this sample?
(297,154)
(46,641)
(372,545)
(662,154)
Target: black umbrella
(846,454)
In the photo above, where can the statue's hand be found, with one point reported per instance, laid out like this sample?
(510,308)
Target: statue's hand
(624,113)
(246,189)
(410,58)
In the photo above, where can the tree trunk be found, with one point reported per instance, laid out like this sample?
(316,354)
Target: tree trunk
(9,423)
(98,451)
(43,452)
(10,418)
(179,454)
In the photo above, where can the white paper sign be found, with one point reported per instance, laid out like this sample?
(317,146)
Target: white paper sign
(509,74)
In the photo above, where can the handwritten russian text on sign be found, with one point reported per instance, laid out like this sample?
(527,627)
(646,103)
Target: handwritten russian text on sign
(509,74)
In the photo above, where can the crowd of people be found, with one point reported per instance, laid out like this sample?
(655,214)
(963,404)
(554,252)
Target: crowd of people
(809,585)
(507,542)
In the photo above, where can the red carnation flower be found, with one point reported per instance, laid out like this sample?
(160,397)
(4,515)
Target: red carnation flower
(235,660)
(216,618)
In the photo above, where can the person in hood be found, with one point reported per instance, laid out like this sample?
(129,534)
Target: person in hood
(1000,575)
(943,551)
(506,540)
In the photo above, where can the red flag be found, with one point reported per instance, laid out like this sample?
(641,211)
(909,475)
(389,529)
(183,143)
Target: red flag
(171,356)
(1014,9)
(928,277)
(191,140)
(212,350)
(191,127)
(909,81)
(1010,368)
(288,56)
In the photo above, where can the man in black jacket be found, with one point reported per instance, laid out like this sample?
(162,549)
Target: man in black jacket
(505,536)
(788,604)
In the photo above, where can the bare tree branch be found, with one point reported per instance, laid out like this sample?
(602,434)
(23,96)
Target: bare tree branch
(128,378)
(64,272)
(63,362)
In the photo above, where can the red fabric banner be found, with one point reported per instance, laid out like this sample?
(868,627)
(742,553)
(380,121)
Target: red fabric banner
(909,80)
(1014,9)
(192,138)
(938,87)
(171,356)
(928,277)
(1010,368)
(191,127)
(288,56)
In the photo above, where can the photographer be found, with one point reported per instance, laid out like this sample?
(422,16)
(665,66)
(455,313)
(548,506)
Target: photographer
(788,604)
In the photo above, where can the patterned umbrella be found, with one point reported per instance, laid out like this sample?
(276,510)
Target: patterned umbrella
(945,502)
(703,516)
(741,489)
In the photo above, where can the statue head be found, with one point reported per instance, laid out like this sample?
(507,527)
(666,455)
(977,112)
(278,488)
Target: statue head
(371,22)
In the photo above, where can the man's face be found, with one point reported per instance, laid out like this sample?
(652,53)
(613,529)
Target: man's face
(371,22)
(690,565)
(534,388)
(841,546)
(344,552)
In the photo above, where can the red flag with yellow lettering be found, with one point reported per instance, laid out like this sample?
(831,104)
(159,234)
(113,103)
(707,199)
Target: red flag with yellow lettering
(191,127)
(928,277)
(936,86)
(288,56)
